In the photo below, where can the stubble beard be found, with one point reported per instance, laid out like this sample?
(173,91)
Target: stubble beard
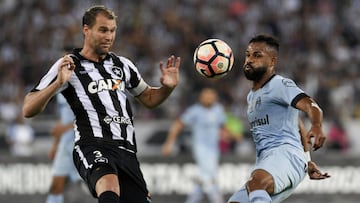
(101,52)
(255,74)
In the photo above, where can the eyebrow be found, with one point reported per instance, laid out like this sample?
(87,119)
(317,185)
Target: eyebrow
(257,51)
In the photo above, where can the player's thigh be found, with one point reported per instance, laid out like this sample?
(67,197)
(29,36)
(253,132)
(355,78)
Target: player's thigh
(285,167)
(92,163)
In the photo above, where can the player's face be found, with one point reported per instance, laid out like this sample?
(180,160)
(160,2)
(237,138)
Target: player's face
(208,97)
(101,35)
(258,60)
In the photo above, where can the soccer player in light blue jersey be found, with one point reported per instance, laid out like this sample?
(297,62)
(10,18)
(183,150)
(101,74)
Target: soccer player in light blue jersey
(206,119)
(274,103)
(63,168)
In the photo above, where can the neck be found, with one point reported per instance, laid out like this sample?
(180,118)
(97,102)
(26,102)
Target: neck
(91,55)
(260,83)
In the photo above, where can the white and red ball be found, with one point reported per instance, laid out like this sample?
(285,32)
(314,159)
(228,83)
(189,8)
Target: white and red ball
(213,58)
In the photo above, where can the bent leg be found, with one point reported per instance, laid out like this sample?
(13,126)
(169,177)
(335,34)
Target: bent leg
(108,182)
(260,186)
(108,189)
(260,180)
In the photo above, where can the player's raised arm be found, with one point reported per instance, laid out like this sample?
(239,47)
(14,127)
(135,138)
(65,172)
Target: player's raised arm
(153,96)
(35,102)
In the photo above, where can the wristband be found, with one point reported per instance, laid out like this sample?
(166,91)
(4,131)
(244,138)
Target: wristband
(308,157)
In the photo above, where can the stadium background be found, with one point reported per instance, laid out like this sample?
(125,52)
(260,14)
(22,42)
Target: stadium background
(320,50)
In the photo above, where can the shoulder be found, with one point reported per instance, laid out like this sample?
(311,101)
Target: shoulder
(126,61)
(281,81)
(193,109)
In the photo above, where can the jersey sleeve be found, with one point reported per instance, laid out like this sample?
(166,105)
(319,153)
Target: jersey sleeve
(286,91)
(135,84)
(49,78)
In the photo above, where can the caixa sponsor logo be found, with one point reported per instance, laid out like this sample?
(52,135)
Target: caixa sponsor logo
(108,84)
(118,119)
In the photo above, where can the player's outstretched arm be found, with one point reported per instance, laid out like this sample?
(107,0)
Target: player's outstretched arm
(154,96)
(315,114)
(35,102)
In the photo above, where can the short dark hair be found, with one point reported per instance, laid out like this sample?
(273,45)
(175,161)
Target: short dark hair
(91,13)
(268,39)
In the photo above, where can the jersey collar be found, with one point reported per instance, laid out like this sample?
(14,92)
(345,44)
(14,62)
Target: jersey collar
(76,52)
(271,77)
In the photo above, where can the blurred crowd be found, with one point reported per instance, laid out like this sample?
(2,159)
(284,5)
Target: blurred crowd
(320,46)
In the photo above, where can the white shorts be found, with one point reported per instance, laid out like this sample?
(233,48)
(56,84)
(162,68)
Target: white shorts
(288,167)
(63,164)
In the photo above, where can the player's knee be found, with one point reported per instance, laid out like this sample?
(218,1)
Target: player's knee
(108,182)
(260,180)
(104,178)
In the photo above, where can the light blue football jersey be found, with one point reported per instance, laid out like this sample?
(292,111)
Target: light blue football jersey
(205,124)
(273,120)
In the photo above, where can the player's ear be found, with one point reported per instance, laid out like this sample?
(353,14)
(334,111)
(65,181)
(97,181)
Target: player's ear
(86,29)
(273,61)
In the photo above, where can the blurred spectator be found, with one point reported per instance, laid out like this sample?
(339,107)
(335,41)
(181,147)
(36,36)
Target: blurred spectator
(20,136)
(337,137)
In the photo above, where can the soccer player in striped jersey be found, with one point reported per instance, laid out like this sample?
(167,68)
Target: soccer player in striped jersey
(274,103)
(94,82)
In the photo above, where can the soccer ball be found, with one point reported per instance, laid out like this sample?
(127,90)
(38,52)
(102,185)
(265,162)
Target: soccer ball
(213,58)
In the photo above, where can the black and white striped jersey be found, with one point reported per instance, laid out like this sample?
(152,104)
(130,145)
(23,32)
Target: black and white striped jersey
(96,94)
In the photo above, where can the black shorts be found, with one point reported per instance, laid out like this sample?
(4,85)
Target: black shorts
(110,159)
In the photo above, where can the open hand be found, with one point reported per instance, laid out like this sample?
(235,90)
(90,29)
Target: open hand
(170,74)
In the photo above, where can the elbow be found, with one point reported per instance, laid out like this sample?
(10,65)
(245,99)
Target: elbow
(26,112)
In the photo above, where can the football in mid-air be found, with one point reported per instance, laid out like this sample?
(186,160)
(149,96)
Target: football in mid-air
(213,58)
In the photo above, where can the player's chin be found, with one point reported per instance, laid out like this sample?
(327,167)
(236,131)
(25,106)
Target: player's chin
(105,49)
(102,50)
